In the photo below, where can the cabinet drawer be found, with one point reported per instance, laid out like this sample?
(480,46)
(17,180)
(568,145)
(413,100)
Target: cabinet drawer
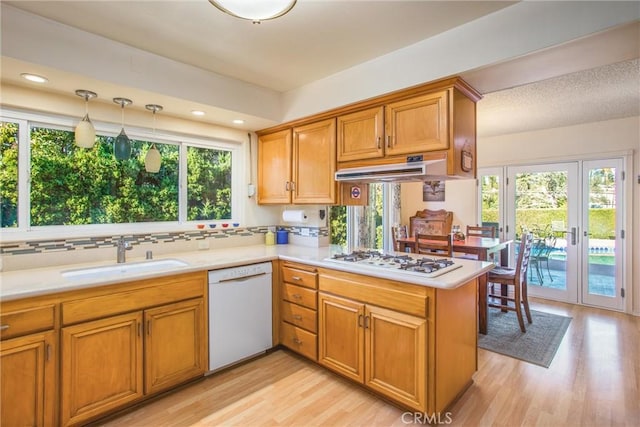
(299,340)
(300,277)
(299,316)
(22,322)
(299,295)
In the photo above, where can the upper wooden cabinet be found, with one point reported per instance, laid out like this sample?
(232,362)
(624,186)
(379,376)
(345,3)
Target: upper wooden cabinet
(417,124)
(433,121)
(360,135)
(297,165)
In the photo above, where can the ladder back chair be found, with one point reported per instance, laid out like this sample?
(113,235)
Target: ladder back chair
(515,280)
(398,232)
(481,231)
(434,244)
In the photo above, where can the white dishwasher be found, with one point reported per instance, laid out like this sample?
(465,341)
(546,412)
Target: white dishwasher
(239,313)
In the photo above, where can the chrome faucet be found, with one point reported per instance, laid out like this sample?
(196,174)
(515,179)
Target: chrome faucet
(123,246)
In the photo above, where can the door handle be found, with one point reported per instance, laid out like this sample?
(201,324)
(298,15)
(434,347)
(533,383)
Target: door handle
(574,235)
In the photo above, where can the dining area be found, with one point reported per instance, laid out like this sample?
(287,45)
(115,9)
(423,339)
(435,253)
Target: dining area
(431,232)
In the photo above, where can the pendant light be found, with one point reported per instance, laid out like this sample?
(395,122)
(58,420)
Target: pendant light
(153,160)
(122,145)
(85,132)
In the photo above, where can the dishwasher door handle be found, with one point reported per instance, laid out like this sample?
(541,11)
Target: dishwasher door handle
(240,279)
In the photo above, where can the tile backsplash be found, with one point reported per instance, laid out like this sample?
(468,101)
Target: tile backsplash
(43,253)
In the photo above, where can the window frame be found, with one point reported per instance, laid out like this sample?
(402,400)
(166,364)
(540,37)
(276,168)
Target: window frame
(27,119)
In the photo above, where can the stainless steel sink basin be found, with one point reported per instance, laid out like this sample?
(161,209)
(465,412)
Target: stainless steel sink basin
(114,270)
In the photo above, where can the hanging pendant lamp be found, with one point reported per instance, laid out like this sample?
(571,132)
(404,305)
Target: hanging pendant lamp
(153,160)
(85,134)
(122,144)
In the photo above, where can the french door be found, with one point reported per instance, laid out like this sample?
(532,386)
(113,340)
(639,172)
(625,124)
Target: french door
(574,210)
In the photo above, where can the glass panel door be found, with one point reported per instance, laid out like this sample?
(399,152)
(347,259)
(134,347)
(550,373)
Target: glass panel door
(491,198)
(543,200)
(601,244)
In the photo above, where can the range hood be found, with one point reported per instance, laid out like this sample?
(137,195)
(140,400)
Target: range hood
(427,170)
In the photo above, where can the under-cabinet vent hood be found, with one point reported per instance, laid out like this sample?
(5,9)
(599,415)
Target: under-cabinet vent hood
(417,171)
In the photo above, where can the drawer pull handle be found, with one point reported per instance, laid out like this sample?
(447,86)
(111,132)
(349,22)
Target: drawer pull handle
(48,357)
(297,296)
(4,327)
(297,341)
(378,141)
(296,278)
(366,322)
(360,316)
(297,317)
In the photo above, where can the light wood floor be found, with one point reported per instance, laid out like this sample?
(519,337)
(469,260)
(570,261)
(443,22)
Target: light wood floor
(594,380)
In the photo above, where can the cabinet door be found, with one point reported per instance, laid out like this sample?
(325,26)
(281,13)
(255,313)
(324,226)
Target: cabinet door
(274,168)
(101,366)
(175,344)
(28,380)
(360,135)
(314,163)
(418,124)
(396,356)
(341,336)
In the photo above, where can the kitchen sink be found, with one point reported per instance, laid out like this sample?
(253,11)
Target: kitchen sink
(114,270)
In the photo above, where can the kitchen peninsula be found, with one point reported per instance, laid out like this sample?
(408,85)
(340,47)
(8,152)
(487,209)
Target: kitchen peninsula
(410,339)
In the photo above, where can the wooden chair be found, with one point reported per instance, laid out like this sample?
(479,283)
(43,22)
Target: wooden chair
(431,222)
(481,231)
(515,278)
(434,244)
(398,232)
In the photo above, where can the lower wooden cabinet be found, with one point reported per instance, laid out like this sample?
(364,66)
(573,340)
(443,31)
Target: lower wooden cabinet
(175,344)
(27,380)
(111,362)
(101,366)
(381,348)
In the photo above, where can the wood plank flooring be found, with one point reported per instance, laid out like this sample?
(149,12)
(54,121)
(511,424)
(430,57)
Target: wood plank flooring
(594,380)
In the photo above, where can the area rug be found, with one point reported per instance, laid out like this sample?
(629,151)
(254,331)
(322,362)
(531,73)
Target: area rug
(538,345)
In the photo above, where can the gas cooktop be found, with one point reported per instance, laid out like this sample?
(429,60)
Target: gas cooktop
(412,264)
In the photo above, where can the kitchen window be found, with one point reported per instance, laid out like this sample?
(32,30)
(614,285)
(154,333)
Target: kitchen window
(48,182)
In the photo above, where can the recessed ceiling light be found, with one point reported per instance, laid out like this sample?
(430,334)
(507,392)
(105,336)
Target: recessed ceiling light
(34,78)
(197,112)
(238,121)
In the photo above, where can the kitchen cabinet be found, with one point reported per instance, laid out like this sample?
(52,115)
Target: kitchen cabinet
(128,341)
(298,309)
(29,365)
(360,135)
(432,121)
(383,349)
(413,344)
(297,165)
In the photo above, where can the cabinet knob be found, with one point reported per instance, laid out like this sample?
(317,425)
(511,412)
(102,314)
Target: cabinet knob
(297,341)
(297,296)
(4,327)
(297,317)
(296,278)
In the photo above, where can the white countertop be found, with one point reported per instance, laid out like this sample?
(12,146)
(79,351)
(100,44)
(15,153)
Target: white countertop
(41,281)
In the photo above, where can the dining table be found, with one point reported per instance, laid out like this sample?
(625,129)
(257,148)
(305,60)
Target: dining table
(483,248)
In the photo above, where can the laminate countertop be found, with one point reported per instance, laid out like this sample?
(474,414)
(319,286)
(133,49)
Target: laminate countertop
(41,281)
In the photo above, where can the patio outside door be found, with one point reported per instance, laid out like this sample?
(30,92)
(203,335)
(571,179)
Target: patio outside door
(544,200)
(575,211)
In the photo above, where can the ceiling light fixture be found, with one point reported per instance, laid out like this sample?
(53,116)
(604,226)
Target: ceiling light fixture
(153,159)
(122,144)
(238,121)
(255,11)
(197,112)
(34,78)
(85,132)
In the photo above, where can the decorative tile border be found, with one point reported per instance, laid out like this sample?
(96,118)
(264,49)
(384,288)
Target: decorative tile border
(73,244)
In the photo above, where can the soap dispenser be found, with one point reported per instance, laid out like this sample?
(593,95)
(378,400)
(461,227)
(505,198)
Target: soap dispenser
(270,238)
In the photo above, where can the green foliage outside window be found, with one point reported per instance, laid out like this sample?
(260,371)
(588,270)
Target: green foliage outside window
(9,174)
(72,185)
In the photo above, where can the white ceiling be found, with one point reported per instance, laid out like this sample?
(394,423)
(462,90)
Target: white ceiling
(595,78)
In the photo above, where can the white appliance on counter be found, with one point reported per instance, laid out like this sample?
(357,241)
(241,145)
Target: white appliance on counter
(239,313)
